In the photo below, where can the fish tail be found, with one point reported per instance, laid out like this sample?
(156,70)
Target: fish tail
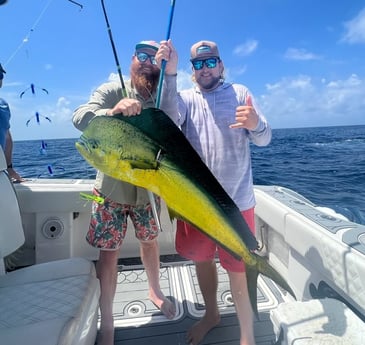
(262,266)
(251,276)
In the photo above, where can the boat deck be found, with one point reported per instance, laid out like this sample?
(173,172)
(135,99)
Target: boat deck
(138,321)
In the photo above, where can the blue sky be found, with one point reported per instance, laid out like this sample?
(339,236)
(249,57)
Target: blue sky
(303,60)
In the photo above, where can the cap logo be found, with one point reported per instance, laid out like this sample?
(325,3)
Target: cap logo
(203,49)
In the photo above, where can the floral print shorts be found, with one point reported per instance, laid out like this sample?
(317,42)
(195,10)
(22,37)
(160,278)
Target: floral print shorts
(108,224)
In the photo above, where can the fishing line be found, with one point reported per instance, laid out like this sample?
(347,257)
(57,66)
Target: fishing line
(27,37)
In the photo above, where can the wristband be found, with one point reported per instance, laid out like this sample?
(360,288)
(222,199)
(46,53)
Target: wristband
(10,166)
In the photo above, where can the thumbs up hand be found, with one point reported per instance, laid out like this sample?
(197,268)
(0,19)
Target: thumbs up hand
(246,116)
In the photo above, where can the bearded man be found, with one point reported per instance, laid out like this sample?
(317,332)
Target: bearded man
(108,223)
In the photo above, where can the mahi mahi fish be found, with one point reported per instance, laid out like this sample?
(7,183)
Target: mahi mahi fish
(150,151)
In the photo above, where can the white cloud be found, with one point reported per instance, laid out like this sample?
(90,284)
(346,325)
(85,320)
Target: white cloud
(184,80)
(115,77)
(355,29)
(63,111)
(246,48)
(301,82)
(302,101)
(297,101)
(62,101)
(235,72)
(300,54)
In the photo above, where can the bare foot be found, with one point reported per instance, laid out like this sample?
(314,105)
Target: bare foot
(200,329)
(106,337)
(164,304)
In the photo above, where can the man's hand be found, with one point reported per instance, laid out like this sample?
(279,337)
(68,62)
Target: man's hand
(14,176)
(127,107)
(168,53)
(246,116)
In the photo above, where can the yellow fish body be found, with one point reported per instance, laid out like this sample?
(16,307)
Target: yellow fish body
(150,151)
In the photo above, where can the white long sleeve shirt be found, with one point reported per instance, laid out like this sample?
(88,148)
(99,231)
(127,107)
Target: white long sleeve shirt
(205,118)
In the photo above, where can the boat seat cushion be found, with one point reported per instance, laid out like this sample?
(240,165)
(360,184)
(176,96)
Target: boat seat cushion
(50,303)
(11,231)
(318,321)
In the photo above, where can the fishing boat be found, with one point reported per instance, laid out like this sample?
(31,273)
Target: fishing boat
(49,291)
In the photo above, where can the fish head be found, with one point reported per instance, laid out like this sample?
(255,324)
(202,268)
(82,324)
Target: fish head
(115,147)
(92,150)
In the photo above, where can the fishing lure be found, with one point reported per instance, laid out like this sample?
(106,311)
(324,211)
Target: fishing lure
(42,149)
(37,117)
(100,200)
(32,88)
(51,170)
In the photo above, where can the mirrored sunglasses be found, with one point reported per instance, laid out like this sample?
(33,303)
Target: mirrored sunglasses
(143,57)
(210,63)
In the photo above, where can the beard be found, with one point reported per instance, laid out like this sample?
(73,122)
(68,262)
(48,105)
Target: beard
(145,78)
(208,84)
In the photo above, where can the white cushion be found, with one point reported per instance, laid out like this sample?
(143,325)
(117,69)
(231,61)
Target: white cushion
(51,303)
(3,165)
(45,304)
(318,321)
(11,228)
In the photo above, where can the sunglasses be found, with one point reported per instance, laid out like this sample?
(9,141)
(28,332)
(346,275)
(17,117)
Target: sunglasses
(143,57)
(210,63)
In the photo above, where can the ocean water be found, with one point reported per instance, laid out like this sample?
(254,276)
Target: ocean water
(324,164)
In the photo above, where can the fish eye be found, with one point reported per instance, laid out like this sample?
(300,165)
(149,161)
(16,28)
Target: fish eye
(94,143)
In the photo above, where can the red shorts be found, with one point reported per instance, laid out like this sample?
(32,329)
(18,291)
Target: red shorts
(194,245)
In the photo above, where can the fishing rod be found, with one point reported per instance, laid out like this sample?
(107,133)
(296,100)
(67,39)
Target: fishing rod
(158,99)
(163,63)
(159,88)
(124,94)
(124,90)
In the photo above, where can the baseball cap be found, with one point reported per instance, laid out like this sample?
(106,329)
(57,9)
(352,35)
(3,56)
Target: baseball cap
(204,49)
(148,45)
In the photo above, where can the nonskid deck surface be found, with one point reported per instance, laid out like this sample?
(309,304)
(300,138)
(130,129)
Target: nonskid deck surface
(138,321)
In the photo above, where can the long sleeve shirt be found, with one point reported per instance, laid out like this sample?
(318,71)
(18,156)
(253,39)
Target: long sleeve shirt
(205,118)
(106,97)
